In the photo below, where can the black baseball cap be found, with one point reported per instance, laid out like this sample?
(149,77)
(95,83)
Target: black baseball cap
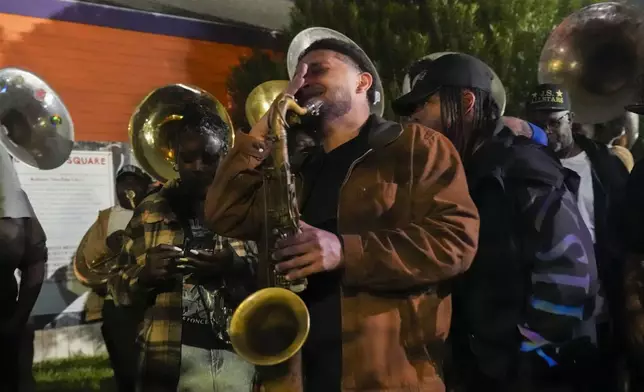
(548,97)
(454,70)
(132,171)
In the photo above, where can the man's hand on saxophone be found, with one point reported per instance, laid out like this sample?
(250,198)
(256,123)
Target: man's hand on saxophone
(260,130)
(309,252)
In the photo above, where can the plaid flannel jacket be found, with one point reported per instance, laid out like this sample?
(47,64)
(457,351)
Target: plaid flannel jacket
(159,337)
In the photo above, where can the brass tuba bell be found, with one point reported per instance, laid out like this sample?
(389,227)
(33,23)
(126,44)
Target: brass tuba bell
(150,146)
(261,98)
(597,54)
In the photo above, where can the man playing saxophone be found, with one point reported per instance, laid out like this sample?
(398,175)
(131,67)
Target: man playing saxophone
(386,221)
(181,277)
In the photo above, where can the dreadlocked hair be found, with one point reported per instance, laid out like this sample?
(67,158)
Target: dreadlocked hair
(200,118)
(485,119)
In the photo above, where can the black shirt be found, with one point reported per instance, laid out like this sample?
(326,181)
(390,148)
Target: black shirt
(200,299)
(324,175)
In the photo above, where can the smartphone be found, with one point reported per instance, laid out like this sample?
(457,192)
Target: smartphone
(181,260)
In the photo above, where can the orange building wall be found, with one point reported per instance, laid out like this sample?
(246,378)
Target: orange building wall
(103,73)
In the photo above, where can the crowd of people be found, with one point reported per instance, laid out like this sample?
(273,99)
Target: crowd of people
(457,250)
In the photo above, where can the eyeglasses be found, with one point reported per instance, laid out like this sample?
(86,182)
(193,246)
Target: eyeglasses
(555,123)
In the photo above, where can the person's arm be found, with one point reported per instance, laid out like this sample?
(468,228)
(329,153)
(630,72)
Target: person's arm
(493,291)
(123,283)
(32,268)
(234,204)
(441,237)
(625,211)
(92,248)
(633,281)
(517,126)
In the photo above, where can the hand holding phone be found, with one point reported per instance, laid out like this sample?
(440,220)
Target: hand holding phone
(159,262)
(207,261)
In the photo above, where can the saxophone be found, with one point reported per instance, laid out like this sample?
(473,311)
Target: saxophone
(270,326)
(282,213)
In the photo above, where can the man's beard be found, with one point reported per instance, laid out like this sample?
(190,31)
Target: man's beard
(559,142)
(335,104)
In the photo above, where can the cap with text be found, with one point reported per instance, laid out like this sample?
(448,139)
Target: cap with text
(548,97)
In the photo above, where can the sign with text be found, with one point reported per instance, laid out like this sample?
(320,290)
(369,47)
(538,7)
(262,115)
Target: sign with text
(66,201)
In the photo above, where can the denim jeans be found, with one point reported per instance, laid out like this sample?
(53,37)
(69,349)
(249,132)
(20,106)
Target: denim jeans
(205,370)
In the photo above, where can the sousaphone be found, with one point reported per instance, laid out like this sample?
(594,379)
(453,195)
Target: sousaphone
(152,150)
(149,144)
(597,54)
(35,128)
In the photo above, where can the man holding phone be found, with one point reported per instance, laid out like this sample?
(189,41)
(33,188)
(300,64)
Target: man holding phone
(174,269)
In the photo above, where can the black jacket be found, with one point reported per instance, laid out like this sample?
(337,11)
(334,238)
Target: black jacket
(531,230)
(632,208)
(609,187)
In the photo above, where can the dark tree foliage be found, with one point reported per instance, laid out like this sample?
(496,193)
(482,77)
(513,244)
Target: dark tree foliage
(506,34)
(252,71)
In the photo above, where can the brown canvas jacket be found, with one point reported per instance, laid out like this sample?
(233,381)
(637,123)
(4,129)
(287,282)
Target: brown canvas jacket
(407,223)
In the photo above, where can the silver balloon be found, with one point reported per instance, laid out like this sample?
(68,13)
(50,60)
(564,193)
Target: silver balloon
(305,38)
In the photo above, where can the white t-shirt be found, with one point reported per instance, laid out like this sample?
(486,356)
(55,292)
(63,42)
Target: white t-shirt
(585,197)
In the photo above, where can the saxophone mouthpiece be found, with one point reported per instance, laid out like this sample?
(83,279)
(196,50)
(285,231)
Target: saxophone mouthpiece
(314,107)
(130,194)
